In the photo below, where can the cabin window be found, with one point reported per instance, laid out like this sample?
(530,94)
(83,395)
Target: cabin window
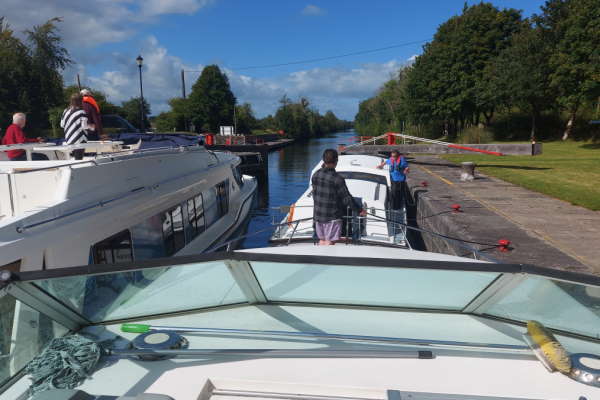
(223,197)
(173,234)
(237,175)
(211,211)
(115,249)
(195,216)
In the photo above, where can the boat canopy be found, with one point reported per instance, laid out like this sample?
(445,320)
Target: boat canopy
(69,299)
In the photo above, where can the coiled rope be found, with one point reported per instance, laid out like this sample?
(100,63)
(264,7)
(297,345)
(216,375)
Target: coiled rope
(64,364)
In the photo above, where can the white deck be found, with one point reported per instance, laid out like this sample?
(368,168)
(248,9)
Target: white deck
(373,196)
(469,373)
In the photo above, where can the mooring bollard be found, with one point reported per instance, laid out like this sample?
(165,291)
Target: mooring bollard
(468,171)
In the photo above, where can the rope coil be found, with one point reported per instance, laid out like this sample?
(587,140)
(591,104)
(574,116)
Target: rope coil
(64,364)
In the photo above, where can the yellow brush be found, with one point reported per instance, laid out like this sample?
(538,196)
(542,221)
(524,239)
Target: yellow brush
(546,348)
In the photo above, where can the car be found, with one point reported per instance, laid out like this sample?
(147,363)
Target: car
(113,123)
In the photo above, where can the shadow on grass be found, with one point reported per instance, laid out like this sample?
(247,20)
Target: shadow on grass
(591,146)
(512,167)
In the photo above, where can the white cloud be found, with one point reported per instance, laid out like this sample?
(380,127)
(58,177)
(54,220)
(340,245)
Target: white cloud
(92,22)
(412,58)
(339,89)
(159,7)
(311,9)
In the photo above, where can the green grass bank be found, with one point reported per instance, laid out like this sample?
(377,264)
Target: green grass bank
(568,171)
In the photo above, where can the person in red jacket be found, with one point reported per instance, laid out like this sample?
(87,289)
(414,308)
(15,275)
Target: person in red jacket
(14,135)
(92,110)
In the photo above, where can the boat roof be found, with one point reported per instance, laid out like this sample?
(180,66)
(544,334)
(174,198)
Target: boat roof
(470,315)
(358,163)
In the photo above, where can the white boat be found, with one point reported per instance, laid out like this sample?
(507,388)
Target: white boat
(301,322)
(118,204)
(371,188)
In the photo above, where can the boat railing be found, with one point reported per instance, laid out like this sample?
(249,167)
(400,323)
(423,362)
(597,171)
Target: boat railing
(280,236)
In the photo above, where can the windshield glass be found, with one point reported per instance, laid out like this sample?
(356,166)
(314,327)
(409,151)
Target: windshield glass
(24,332)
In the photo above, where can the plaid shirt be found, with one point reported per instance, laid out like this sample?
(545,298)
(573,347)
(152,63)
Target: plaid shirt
(331,196)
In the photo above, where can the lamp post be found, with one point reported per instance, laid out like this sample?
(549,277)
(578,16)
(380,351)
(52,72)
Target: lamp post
(140,61)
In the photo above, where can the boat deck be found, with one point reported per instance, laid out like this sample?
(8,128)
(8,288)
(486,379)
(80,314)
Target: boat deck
(469,373)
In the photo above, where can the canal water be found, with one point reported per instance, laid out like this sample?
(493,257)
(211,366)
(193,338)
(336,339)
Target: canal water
(289,174)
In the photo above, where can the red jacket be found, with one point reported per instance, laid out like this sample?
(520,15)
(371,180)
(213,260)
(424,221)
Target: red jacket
(14,135)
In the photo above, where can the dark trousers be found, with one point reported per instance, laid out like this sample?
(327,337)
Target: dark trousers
(397,194)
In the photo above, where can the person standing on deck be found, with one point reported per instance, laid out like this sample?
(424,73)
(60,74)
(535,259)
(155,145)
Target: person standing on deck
(331,200)
(398,169)
(92,109)
(14,135)
(74,121)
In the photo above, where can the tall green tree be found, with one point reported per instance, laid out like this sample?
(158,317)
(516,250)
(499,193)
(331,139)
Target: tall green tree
(48,59)
(521,74)
(211,101)
(131,112)
(573,27)
(15,72)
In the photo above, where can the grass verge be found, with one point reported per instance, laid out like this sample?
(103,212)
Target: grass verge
(568,171)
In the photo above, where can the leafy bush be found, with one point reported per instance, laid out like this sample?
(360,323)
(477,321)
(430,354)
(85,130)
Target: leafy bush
(475,135)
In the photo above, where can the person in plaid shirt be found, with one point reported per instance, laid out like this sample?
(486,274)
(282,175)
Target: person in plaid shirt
(331,200)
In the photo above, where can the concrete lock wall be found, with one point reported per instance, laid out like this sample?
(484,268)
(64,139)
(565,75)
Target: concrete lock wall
(508,149)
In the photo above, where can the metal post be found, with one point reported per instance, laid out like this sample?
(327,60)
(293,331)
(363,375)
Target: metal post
(78,83)
(182,84)
(234,121)
(140,61)
(141,103)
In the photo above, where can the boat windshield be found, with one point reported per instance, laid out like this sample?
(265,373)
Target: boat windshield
(55,301)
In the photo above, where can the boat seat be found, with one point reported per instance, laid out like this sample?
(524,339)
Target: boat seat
(68,394)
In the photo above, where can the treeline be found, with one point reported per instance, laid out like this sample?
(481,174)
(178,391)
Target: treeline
(30,73)
(211,104)
(31,81)
(492,68)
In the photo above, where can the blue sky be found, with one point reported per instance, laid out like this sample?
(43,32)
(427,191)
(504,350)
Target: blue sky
(104,37)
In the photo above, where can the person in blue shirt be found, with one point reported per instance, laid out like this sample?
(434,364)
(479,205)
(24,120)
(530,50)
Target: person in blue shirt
(398,169)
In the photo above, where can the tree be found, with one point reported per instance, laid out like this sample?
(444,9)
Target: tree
(245,119)
(48,59)
(573,26)
(15,71)
(211,101)
(131,112)
(521,73)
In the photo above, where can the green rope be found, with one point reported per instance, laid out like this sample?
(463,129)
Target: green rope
(64,364)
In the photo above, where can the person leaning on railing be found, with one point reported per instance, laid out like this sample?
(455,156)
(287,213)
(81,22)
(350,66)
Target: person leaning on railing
(14,135)
(398,169)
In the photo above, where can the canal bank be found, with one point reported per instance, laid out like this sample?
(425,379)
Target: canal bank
(542,231)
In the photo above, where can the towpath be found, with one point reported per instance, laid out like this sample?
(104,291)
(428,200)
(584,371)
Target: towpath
(544,231)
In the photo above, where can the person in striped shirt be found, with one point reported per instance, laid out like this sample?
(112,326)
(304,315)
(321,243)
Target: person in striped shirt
(74,121)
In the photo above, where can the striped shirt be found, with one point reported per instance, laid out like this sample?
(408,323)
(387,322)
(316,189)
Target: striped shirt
(74,123)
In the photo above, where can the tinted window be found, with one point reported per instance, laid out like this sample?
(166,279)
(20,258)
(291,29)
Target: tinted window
(195,216)
(211,210)
(173,235)
(115,249)
(363,176)
(223,197)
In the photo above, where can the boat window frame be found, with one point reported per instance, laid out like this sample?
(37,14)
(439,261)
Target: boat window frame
(196,229)
(169,214)
(108,239)
(509,274)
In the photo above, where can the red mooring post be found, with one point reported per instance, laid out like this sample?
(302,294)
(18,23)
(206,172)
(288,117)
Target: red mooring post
(390,138)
